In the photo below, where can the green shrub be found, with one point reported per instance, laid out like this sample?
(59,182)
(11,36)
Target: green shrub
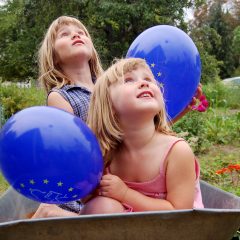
(223,96)
(222,129)
(192,128)
(14,99)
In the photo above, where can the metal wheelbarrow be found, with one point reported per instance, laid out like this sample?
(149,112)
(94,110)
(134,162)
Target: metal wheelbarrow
(219,220)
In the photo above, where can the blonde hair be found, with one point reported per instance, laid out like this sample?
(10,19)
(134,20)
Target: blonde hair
(101,118)
(50,75)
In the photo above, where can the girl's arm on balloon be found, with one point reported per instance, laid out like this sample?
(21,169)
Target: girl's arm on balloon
(51,210)
(197,96)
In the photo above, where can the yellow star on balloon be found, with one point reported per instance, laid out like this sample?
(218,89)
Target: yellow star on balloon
(45,181)
(59,184)
(32,181)
(22,185)
(153,65)
(70,189)
(159,74)
(161,85)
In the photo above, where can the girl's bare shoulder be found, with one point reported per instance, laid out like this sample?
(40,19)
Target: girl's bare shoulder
(168,139)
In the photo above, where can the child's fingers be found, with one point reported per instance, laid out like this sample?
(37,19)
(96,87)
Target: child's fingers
(104,183)
(193,102)
(199,91)
(107,177)
(103,193)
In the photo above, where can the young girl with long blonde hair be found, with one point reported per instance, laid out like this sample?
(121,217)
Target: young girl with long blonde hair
(68,65)
(147,167)
(68,68)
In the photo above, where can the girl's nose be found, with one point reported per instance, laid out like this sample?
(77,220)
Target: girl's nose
(75,35)
(143,84)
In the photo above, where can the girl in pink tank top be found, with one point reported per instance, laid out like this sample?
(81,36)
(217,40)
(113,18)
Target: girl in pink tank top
(147,167)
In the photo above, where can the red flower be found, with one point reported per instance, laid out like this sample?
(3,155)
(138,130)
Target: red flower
(202,97)
(223,170)
(234,167)
(201,108)
(203,104)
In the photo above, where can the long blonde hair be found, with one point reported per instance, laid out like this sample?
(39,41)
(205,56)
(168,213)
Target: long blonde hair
(101,117)
(50,75)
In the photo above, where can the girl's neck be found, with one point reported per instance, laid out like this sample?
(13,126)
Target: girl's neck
(138,136)
(79,74)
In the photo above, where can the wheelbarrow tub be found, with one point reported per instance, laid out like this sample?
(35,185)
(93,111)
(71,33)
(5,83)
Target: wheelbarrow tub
(219,220)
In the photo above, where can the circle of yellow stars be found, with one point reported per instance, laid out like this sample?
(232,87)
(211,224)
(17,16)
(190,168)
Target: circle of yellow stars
(45,181)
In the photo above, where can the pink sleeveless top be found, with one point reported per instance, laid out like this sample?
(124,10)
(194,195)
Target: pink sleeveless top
(156,188)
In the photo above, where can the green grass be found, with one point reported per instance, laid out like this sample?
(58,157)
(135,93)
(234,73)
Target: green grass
(218,157)
(3,184)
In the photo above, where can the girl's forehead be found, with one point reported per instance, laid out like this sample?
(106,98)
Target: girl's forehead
(69,25)
(142,69)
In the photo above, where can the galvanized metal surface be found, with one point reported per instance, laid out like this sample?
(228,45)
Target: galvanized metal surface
(192,224)
(211,223)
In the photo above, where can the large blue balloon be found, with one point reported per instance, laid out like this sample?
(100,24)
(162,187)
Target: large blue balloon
(174,61)
(49,155)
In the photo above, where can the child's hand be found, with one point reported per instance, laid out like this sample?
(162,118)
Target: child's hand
(50,210)
(190,106)
(112,186)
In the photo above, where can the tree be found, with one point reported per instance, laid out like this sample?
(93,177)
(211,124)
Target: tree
(215,15)
(25,23)
(113,24)
(236,48)
(204,38)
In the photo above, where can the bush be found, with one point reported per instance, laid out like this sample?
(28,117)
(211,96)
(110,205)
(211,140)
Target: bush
(222,96)
(192,128)
(14,99)
(217,125)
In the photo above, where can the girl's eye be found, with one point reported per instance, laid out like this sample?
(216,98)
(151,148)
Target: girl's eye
(81,33)
(63,34)
(127,80)
(151,80)
(148,79)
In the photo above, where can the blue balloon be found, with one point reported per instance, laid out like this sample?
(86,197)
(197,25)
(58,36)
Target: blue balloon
(49,155)
(174,61)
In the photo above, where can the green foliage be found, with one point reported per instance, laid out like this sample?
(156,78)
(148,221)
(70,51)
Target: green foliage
(113,25)
(222,129)
(236,41)
(218,125)
(3,184)
(113,33)
(192,128)
(14,99)
(214,17)
(215,135)
(222,96)
(25,23)
(205,38)
(221,22)
(220,157)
